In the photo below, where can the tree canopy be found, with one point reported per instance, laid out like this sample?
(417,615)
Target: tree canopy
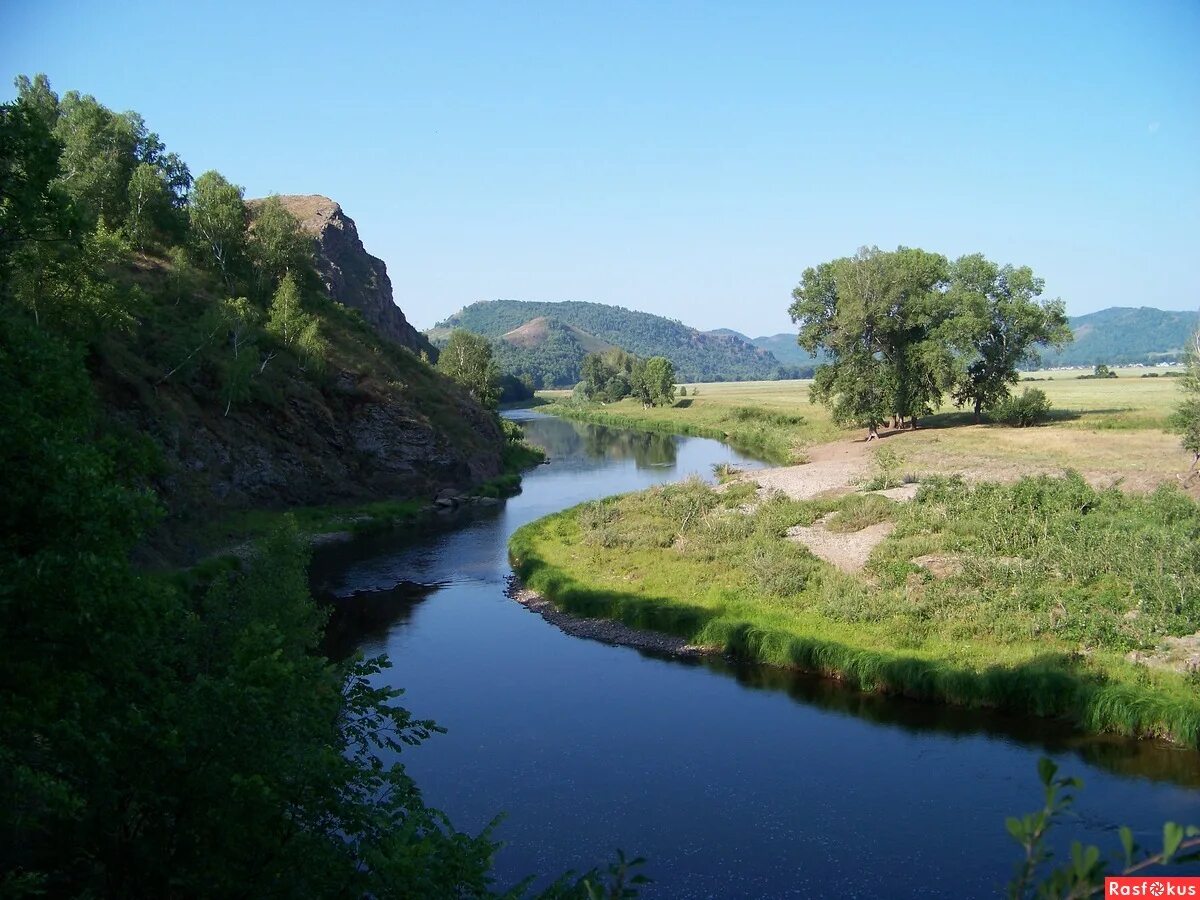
(900,329)
(467,359)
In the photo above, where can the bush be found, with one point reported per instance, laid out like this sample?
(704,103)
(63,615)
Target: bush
(1028,409)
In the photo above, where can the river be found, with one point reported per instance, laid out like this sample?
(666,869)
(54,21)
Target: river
(733,781)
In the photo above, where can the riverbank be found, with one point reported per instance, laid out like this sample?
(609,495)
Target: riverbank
(1029,597)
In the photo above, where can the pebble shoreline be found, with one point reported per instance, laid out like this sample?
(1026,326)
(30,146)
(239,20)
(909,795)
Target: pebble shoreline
(607,631)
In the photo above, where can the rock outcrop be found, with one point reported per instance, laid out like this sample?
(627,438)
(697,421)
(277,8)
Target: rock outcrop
(353,276)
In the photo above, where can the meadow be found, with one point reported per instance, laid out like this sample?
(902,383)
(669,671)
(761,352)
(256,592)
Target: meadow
(1109,429)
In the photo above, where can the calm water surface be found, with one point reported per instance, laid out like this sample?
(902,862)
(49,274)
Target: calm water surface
(734,781)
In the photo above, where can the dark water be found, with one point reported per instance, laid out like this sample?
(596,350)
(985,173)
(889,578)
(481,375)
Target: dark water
(734,781)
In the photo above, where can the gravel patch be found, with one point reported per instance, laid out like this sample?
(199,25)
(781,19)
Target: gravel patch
(607,631)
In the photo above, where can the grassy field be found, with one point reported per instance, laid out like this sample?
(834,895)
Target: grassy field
(1041,589)
(1107,428)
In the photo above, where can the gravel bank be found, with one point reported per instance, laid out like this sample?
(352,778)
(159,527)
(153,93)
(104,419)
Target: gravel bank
(607,631)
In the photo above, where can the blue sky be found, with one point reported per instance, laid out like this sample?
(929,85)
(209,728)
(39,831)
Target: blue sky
(688,159)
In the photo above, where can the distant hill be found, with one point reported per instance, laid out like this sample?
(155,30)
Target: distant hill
(541,339)
(787,351)
(1122,335)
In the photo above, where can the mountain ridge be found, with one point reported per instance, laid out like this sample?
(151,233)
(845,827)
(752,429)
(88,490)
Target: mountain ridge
(697,355)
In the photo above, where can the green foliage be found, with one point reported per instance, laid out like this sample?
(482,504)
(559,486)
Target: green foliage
(467,359)
(1030,408)
(996,326)
(902,328)
(151,213)
(1084,874)
(1186,418)
(217,225)
(276,246)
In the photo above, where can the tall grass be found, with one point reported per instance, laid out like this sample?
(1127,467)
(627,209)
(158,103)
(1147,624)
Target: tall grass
(1056,582)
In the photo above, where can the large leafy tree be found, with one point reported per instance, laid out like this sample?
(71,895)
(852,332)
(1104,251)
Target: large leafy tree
(998,325)
(875,315)
(467,359)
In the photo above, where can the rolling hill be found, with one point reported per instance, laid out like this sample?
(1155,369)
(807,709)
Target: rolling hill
(543,339)
(1122,335)
(1119,335)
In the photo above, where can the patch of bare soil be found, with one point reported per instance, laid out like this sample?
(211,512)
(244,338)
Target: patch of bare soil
(848,552)
(1175,654)
(940,565)
(833,468)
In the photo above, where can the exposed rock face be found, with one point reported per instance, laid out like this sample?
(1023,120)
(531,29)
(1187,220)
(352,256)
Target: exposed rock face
(353,276)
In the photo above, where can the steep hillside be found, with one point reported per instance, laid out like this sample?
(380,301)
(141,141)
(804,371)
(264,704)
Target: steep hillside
(1126,335)
(351,275)
(697,355)
(368,420)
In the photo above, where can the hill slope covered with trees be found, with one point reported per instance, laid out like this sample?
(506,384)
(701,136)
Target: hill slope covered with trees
(1123,335)
(209,335)
(697,355)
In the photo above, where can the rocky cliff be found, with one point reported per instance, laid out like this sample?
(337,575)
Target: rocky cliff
(352,276)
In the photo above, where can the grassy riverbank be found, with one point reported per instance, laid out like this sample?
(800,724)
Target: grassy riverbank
(1025,597)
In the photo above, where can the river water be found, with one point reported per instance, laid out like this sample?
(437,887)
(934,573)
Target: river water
(732,780)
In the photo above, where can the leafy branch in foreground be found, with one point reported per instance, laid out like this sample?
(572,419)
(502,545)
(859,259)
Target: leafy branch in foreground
(1084,875)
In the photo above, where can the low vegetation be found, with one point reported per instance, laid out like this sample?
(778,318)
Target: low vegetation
(1045,585)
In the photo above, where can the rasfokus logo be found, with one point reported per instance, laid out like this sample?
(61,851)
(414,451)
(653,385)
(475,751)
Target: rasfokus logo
(1137,886)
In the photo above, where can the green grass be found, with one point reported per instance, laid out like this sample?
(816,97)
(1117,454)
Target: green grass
(1056,583)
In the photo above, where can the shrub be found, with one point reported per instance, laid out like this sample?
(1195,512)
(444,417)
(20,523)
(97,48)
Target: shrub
(1028,409)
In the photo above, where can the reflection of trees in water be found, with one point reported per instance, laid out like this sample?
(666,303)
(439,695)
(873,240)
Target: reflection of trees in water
(366,613)
(1147,759)
(560,438)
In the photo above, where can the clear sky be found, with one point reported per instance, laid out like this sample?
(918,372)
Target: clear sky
(688,159)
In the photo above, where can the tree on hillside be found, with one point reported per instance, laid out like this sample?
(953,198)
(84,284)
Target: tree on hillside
(296,329)
(1186,418)
(997,325)
(150,209)
(217,224)
(876,316)
(467,358)
(277,246)
(99,154)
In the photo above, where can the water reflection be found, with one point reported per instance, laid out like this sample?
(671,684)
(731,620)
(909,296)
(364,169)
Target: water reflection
(597,442)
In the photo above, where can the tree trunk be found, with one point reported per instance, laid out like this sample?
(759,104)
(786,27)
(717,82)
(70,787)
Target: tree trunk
(978,408)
